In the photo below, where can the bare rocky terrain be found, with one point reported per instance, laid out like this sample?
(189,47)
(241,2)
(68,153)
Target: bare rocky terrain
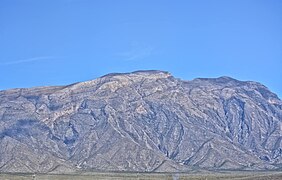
(145,121)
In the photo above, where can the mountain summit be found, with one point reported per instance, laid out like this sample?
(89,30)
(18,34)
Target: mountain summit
(141,121)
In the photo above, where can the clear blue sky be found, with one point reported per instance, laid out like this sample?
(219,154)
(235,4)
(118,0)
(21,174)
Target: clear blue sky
(58,42)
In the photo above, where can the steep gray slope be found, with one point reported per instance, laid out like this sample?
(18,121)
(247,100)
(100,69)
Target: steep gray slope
(141,121)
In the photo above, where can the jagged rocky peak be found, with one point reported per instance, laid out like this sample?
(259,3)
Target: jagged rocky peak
(142,73)
(250,87)
(221,81)
(141,121)
(117,80)
(218,79)
(136,76)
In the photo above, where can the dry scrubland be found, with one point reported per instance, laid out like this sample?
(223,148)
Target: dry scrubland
(148,176)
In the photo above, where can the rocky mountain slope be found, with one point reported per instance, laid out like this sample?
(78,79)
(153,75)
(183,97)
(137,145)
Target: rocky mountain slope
(141,121)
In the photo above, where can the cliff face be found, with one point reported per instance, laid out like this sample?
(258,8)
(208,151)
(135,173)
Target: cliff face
(141,121)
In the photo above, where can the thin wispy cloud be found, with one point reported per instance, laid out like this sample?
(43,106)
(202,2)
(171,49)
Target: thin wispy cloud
(28,60)
(136,53)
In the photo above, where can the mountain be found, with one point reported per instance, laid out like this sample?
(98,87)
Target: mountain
(141,121)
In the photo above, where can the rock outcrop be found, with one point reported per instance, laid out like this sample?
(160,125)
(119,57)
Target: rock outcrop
(141,121)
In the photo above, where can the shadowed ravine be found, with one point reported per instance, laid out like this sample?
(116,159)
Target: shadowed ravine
(141,121)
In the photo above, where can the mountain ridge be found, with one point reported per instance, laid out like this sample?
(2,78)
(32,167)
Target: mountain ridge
(141,121)
(144,72)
